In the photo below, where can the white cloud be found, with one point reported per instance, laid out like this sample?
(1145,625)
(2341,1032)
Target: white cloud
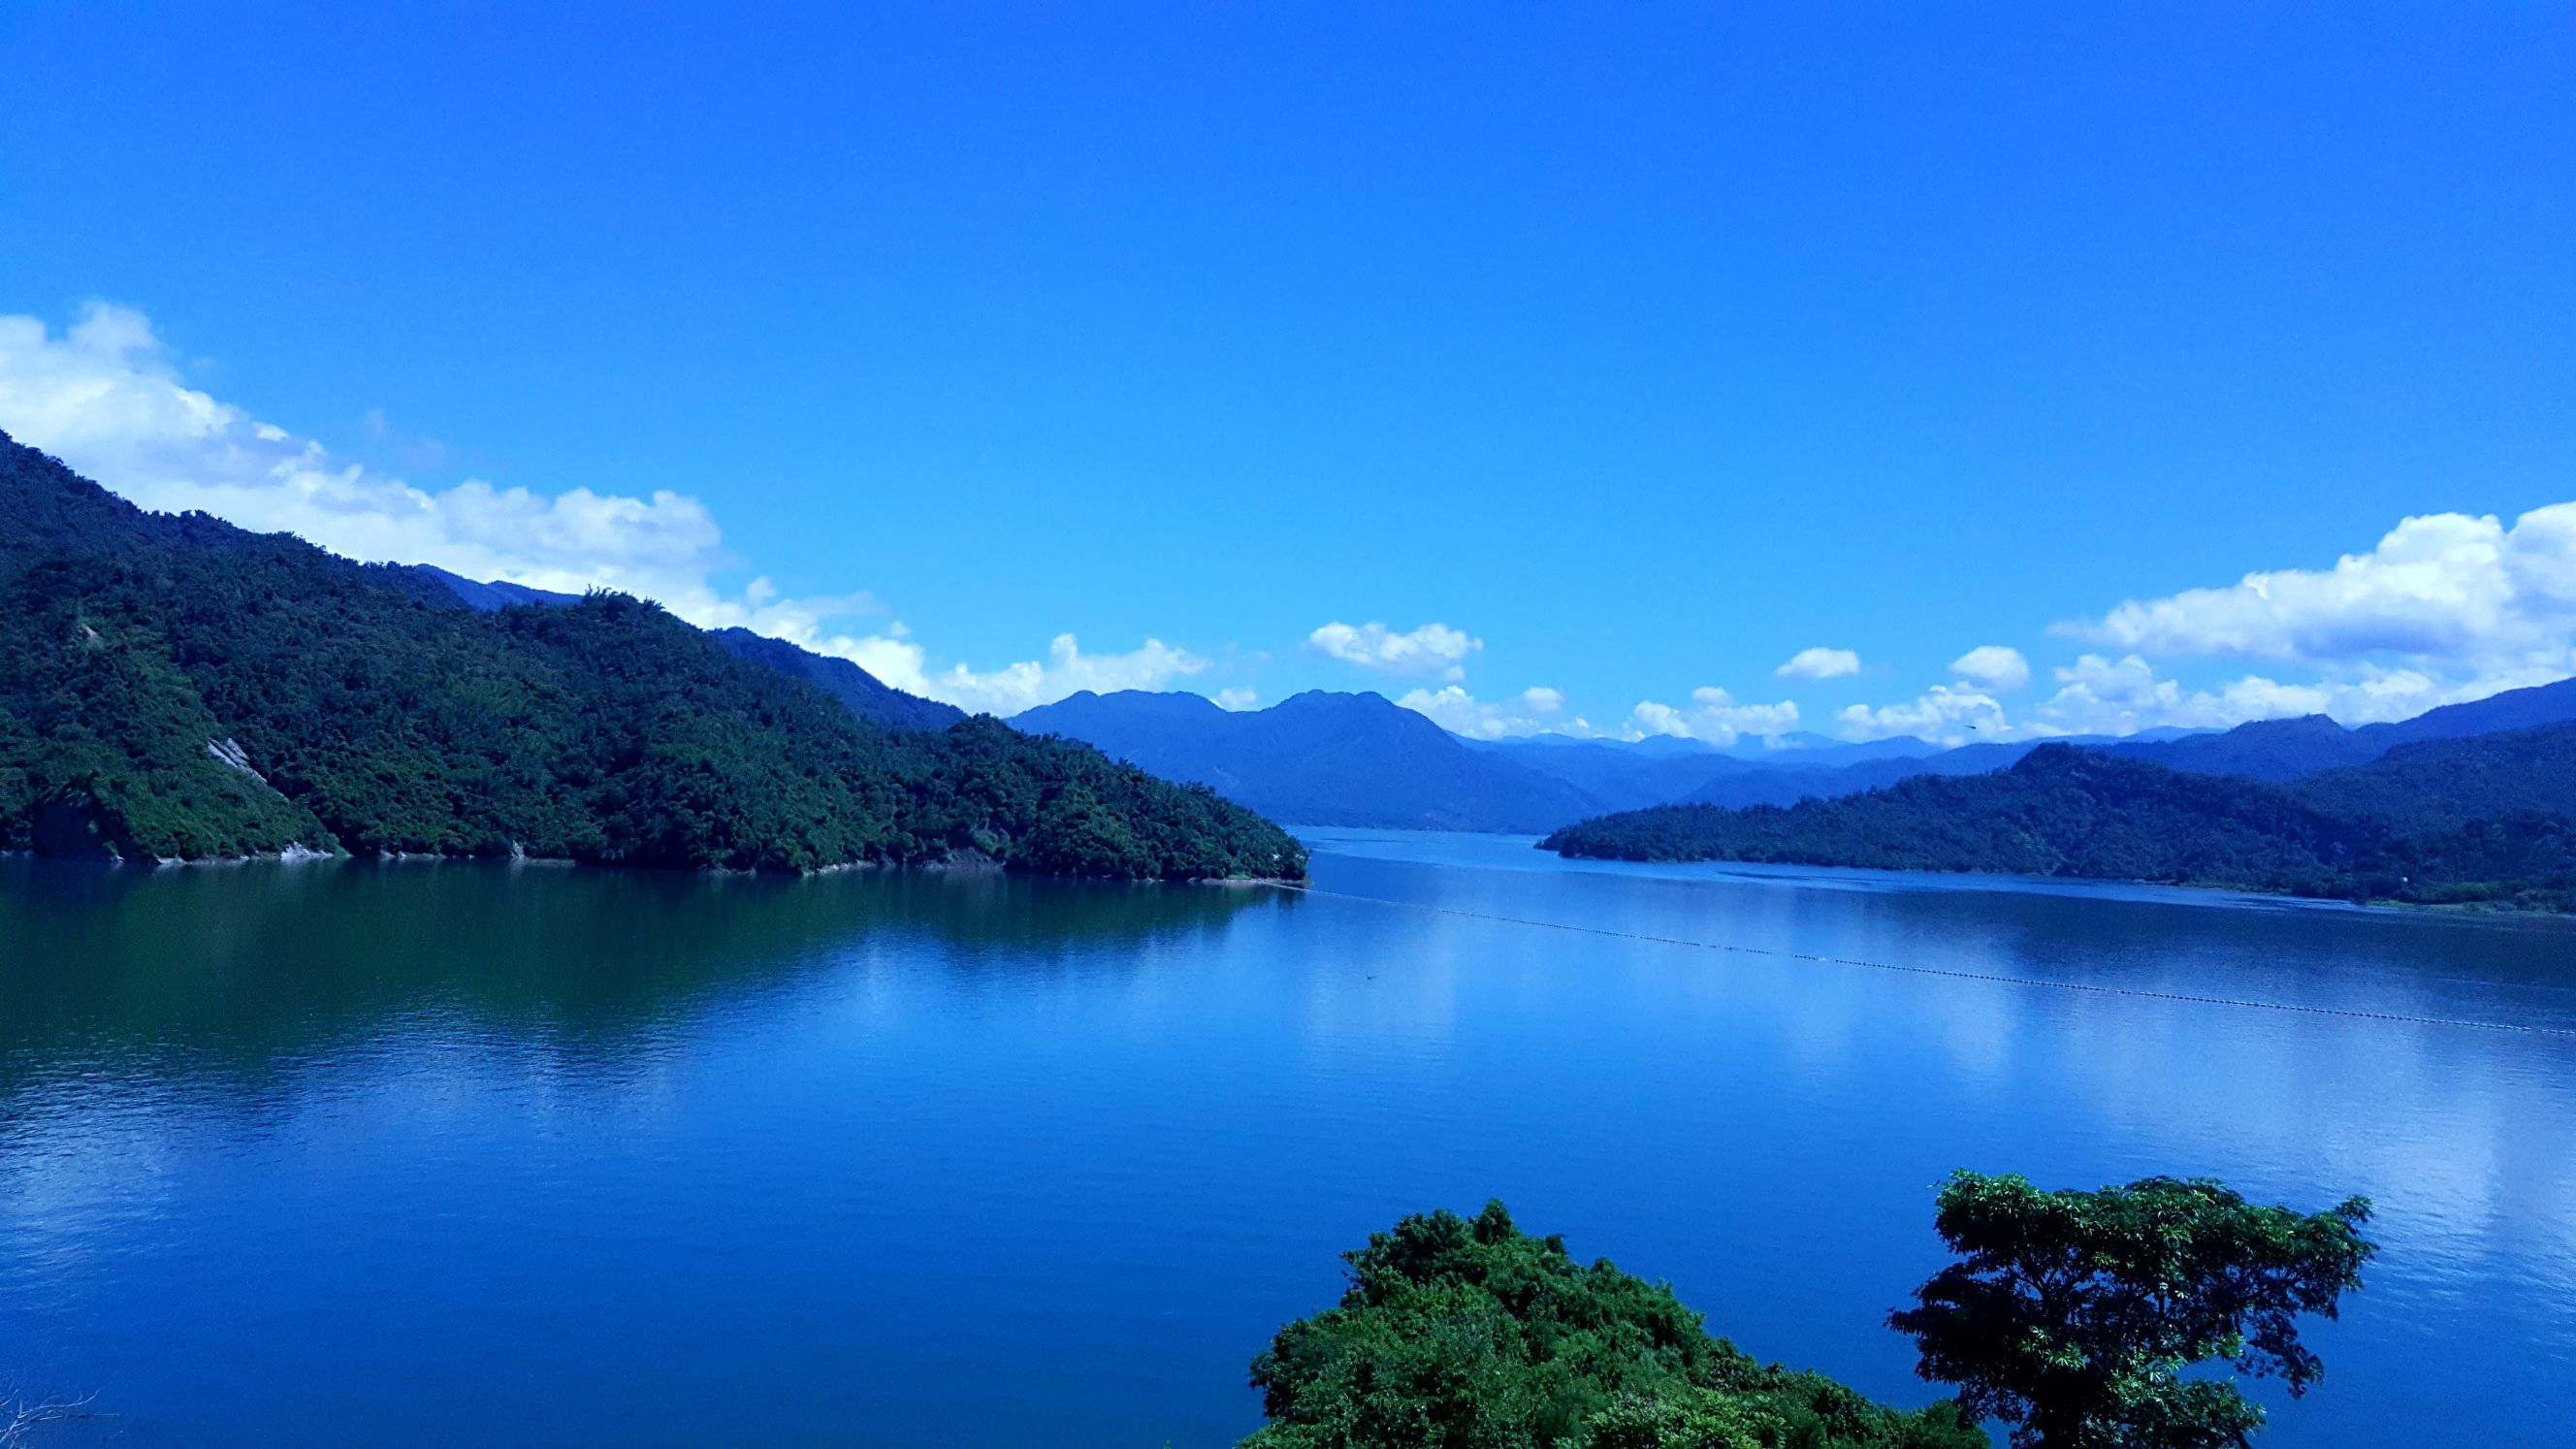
(1819,663)
(1713,716)
(105,397)
(1012,688)
(2099,695)
(1943,714)
(2462,592)
(893,657)
(1238,699)
(2117,697)
(1431,651)
(2447,607)
(1527,713)
(1994,668)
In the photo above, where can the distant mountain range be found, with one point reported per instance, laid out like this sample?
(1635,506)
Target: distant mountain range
(866,696)
(1320,759)
(1357,759)
(1360,760)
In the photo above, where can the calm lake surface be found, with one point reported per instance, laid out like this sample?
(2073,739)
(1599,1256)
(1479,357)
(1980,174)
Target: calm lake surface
(427,1154)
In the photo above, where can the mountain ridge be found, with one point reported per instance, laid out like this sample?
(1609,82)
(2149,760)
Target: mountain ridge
(865,695)
(1190,736)
(1319,758)
(173,687)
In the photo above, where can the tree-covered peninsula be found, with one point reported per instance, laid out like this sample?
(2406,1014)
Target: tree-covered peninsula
(2476,819)
(175,687)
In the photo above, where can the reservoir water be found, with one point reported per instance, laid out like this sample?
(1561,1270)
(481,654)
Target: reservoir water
(415,1154)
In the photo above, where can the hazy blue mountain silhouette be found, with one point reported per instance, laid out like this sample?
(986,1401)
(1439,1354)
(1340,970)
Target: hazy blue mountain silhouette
(867,696)
(1321,758)
(1356,759)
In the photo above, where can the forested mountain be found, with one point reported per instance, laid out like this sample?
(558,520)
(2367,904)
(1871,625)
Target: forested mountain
(173,686)
(1320,759)
(2440,821)
(2437,784)
(863,693)
(2272,749)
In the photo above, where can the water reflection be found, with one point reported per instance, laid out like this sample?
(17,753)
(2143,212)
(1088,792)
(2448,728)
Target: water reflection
(245,967)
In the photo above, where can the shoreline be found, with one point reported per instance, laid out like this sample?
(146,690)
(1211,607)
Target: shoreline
(975,863)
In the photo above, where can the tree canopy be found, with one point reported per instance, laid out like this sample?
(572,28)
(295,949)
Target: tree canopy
(2075,1316)
(1467,1333)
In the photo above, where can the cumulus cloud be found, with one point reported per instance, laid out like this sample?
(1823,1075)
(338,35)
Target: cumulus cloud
(1993,668)
(2447,607)
(1713,716)
(2101,695)
(1943,714)
(1238,699)
(1066,670)
(2465,591)
(1532,711)
(105,396)
(893,656)
(1819,663)
(1433,651)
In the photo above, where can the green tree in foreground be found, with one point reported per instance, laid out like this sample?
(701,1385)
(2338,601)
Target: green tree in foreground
(2072,1315)
(1462,1333)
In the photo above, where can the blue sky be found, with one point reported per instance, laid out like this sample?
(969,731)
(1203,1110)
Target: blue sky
(1639,348)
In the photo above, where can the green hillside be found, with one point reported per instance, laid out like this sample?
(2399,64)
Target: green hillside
(176,687)
(2443,821)
(2445,783)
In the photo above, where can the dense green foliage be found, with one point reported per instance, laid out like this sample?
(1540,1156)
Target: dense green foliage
(2406,827)
(2072,1316)
(2445,784)
(137,651)
(1462,1333)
